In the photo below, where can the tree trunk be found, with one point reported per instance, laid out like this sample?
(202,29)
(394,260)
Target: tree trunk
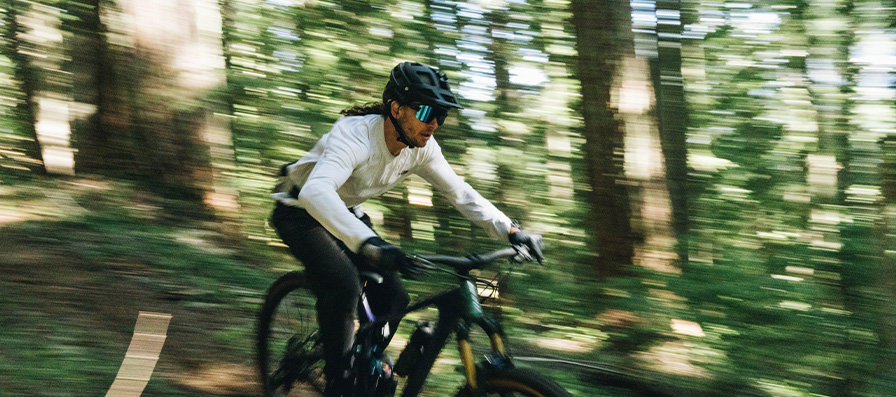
(597,25)
(26,75)
(866,275)
(513,188)
(103,130)
(672,116)
(500,52)
(886,273)
(828,170)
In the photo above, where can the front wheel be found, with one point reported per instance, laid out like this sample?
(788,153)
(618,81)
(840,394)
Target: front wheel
(516,382)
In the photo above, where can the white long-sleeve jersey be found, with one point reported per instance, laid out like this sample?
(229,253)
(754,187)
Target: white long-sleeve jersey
(352,164)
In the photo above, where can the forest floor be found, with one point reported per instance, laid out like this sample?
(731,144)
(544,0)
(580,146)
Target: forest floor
(73,284)
(45,281)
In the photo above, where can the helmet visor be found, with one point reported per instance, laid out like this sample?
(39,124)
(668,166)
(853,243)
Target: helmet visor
(426,113)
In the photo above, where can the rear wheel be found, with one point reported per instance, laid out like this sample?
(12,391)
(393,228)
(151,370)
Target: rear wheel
(290,354)
(516,382)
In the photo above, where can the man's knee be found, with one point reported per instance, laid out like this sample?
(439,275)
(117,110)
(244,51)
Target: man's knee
(402,299)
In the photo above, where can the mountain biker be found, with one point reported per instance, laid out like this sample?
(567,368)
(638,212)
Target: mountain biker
(318,211)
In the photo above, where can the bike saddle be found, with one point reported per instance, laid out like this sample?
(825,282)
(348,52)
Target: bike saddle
(371,277)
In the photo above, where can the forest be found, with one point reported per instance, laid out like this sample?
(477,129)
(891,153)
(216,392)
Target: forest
(715,183)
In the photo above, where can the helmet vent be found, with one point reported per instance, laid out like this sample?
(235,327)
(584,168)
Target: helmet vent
(426,78)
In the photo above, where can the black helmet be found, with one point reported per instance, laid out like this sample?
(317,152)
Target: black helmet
(414,82)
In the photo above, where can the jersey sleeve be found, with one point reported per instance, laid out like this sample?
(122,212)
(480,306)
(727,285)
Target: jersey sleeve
(463,197)
(345,151)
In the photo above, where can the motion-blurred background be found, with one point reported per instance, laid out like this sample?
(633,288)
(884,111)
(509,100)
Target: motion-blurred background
(716,182)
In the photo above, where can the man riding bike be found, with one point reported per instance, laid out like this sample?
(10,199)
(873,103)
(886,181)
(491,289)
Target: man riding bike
(318,212)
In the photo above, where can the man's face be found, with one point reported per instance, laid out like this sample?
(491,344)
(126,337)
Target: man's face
(417,131)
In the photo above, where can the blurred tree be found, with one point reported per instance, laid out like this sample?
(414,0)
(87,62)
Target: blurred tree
(500,57)
(169,118)
(602,38)
(102,133)
(229,34)
(888,171)
(512,185)
(672,115)
(826,29)
(27,76)
(150,88)
(44,43)
(886,234)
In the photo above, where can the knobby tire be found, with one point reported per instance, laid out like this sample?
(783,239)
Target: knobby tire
(517,382)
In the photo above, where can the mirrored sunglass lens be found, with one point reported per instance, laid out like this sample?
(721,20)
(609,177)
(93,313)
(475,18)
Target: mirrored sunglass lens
(425,113)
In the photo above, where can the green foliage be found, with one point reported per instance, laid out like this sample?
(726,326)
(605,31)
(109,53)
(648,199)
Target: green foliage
(789,110)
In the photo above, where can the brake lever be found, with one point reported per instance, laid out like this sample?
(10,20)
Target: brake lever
(522,254)
(423,262)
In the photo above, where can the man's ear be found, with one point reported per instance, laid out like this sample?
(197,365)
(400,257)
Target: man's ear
(393,107)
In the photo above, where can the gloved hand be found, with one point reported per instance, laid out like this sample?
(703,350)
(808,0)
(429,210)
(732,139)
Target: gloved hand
(390,258)
(533,242)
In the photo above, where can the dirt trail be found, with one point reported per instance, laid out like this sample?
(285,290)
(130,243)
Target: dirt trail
(44,281)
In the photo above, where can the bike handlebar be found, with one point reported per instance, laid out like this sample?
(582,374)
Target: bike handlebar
(474,261)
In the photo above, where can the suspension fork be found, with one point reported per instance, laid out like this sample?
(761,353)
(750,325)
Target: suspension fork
(466,355)
(495,334)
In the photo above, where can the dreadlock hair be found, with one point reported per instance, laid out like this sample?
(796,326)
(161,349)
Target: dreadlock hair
(365,109)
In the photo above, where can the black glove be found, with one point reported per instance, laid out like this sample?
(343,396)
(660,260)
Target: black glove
(390,258)
(533,242)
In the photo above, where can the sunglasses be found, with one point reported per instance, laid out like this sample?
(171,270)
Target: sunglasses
(426,113)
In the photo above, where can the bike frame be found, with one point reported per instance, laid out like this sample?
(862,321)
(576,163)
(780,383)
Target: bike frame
(458,309)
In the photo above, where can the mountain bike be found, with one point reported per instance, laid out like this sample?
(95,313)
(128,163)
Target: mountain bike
(290,354)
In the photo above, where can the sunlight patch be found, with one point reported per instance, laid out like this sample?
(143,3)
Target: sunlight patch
(229,379)
(672,358)
(565,345)
(687,328)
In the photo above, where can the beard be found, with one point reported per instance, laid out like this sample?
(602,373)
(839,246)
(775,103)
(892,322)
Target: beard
(415,131)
